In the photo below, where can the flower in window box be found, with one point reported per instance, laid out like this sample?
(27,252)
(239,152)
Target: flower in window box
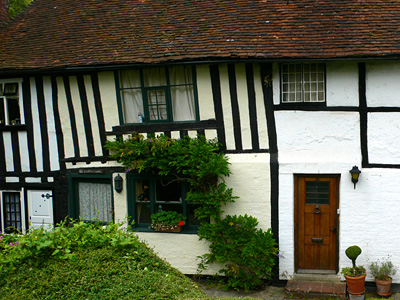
(169,221)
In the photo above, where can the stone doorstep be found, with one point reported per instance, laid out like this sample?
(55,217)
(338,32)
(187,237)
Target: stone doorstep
(315,289)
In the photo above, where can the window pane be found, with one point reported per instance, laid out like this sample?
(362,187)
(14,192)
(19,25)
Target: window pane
(12,212)
(143,205)
(132,105)
(1,89)
(2,116)
(168,191)
(95,201)
(317,192)
(180,75)
(131,96)
(182,100)
(157,104)
(154,77)
(13,111)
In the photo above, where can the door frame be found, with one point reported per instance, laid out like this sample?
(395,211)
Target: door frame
(296,215)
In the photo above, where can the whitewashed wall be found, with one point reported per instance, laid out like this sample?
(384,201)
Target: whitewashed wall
(323,142)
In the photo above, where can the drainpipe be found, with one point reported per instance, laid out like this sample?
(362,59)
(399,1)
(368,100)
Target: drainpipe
(3,11)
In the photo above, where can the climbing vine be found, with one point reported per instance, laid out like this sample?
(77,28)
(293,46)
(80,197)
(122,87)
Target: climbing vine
(247,253)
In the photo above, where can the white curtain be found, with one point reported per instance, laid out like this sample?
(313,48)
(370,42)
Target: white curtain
(131,95)
(95,201)
(182,97)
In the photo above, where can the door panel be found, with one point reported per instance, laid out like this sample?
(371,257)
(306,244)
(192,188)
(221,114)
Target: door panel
(40,208)
(316,203)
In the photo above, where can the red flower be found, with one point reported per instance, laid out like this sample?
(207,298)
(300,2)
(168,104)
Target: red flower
(181,223)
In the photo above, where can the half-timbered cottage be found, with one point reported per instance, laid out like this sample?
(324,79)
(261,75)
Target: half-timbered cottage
(297,93)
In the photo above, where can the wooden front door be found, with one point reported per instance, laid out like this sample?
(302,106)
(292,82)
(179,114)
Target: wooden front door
(316,222)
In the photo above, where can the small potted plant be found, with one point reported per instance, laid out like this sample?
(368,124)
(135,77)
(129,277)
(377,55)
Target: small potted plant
(355,275)
(167,221)
(382,271)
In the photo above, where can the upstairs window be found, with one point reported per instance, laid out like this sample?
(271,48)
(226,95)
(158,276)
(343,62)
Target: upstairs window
(164,94)
(303,82)
(10,101)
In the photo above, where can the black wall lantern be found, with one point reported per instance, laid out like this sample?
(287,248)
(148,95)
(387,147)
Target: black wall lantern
(118,183)
(355,173)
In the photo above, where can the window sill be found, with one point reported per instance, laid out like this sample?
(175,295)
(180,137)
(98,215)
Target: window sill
(10,128)
(145,229)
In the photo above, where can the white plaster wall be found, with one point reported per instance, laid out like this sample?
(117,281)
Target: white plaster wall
(369,218)
(250,180)
(329,143)
(382,84)
(384,138)
(342,84)
(180,250)
(312,143)
(317,137)
(120,201)
(204,91)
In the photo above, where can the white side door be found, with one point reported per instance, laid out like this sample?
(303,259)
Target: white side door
(40,208)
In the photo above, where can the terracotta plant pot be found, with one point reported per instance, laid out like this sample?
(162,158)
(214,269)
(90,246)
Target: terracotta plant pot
(383,287)
(355,285)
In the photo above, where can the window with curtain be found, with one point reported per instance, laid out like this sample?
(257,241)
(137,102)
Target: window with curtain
(164,94)
(95,201)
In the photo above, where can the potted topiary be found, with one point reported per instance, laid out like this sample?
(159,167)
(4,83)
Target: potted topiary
(355,275)
(167,221)
(382,270)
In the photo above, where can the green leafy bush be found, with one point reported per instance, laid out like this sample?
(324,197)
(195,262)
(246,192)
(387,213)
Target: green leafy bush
(247,253)
(382,269)
(39,244)
(103,263)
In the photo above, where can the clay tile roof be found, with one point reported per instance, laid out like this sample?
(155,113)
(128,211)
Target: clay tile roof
(55,34)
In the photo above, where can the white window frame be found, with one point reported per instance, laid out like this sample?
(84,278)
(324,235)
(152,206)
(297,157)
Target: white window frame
(20,102)
(294,83)
(23,211)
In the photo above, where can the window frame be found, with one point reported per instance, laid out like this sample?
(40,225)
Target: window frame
(131,199)
(301,103)
(73,189)
(167,87)
(4,101)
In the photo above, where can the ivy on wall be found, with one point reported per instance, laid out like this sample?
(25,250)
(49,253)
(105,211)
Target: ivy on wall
(248,253)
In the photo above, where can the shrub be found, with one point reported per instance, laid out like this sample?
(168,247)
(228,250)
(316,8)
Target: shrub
(247,253)
(61,242)
(382,270)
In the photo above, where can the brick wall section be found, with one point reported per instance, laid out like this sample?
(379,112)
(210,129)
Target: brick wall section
(3,10)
